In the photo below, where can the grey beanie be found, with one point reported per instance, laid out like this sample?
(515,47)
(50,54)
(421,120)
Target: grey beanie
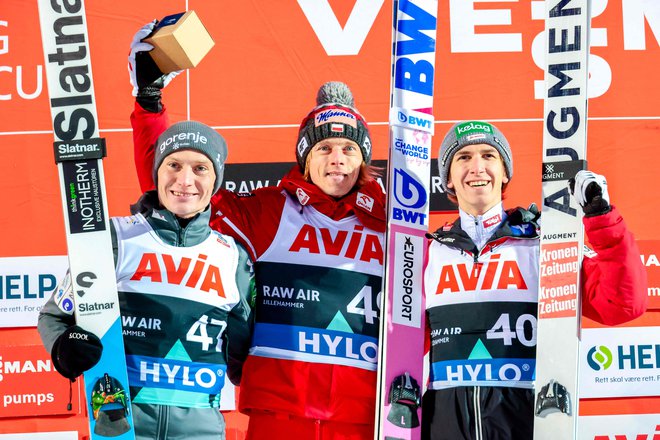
(192,135)
(470,133)
(335,115)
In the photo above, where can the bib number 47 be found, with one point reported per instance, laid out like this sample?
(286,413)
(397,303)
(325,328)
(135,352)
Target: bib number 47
(198,332)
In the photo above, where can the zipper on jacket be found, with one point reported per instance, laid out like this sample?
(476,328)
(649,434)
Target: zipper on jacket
(163,422)
(179,235)
(476,398)
(317,428)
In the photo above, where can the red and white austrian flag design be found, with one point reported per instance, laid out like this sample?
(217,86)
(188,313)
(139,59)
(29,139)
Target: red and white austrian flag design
(303,198)
(494,220)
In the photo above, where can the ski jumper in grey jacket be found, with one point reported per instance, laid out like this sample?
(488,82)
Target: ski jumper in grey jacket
(184,296)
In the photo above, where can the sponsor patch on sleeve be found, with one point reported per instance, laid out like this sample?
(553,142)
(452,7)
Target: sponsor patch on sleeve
(64,295)
(588,252)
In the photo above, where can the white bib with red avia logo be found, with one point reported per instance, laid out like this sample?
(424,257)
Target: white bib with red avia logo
(202,273)
(318,288)
(175,305)
(482,314)
(312,238)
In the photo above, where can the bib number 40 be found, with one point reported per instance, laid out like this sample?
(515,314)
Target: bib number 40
(502,330)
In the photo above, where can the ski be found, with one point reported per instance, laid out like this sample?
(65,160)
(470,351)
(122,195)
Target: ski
(78,153)
(562,235)
(402,326)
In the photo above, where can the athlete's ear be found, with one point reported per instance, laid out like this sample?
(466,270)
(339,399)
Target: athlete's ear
(449,183)
(505,178)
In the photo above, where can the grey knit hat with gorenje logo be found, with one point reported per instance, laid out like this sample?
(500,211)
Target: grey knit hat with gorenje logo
(470,133)
(335,115)
(192,135)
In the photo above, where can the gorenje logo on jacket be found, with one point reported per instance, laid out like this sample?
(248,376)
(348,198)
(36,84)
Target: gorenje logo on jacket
(319,285)
(174,302)
(482,314)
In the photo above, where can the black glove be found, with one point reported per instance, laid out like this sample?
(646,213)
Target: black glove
(590,191)
(522,216)
(145,76)
(75,351)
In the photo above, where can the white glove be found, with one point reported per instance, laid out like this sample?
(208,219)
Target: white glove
(137,45)
(590,191)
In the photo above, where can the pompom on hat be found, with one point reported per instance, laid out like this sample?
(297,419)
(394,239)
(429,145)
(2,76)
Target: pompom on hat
(470,133)
(335,115)
(192,135)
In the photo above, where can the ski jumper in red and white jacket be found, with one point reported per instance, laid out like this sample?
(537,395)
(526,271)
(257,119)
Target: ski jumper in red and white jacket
(481,284)
(318,266)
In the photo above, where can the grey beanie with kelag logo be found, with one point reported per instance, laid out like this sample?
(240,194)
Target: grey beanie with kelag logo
(192,135)
(470,133)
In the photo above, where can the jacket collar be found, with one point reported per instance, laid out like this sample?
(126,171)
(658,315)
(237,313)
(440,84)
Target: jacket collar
(168,227)
(518,223)
(366,202)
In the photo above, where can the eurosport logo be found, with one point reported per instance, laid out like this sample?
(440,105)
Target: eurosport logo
(599,358)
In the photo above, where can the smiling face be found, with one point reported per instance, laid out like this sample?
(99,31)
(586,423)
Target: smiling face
(334,165)
(185,183)
(476,175)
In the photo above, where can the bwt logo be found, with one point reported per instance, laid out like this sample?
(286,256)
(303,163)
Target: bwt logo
(415,121)
(599,358)
(408,191)
(628,357)
(410,194)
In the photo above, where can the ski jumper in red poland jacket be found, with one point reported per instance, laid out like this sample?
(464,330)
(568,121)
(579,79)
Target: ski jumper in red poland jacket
(481,283)
(318,267)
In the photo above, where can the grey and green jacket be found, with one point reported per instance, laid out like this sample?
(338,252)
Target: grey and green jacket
(185,294)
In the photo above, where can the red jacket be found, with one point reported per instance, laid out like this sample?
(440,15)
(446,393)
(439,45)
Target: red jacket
(317,388)
(614,284)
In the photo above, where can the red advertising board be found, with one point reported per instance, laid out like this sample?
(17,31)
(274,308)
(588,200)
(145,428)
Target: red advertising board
(30,386)
(260,80)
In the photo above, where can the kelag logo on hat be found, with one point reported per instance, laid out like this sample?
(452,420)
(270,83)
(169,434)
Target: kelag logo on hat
(473,127)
